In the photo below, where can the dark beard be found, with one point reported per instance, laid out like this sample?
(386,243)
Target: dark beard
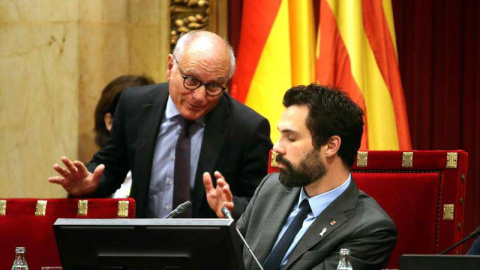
(310,169)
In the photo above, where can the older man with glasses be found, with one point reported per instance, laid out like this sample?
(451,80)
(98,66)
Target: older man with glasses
(173,135)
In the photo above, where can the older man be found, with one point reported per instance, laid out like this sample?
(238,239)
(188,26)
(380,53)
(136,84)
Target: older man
(169,134)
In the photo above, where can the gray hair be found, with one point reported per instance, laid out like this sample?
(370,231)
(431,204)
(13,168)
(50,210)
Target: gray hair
(188,37)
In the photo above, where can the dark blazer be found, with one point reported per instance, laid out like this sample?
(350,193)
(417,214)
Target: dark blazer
(354,220)
(236,142)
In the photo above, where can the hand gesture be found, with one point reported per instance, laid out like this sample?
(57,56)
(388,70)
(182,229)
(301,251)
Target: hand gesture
(219,196)
(76,179)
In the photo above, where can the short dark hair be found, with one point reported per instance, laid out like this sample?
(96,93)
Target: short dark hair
(332,112)
(109,100)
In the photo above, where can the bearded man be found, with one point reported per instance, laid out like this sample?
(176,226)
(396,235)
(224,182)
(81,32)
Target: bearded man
(301,217)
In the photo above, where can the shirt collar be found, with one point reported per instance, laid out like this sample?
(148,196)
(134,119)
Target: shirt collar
(172,112)
(319,202)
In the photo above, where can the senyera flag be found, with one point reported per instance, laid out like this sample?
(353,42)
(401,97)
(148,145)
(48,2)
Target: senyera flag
(276,52)
(356,51)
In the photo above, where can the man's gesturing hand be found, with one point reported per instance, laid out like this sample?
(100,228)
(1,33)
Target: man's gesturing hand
(219,196)
(76,179)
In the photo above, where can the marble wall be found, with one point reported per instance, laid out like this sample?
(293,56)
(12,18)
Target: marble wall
(117,37)
(55,58)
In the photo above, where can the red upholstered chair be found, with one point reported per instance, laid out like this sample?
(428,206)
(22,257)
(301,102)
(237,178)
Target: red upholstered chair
(423,192)
(29,223)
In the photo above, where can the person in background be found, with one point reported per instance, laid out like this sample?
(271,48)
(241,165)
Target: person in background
(169,134)
(475,248)
(104,112)
(302,216)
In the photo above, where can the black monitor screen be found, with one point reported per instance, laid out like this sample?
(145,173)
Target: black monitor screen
(148,244)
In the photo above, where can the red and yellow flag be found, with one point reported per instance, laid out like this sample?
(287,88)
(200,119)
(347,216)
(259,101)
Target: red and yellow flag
(276,51)
(356,51)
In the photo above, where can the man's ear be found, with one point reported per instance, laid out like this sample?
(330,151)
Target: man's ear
(333,145)
(170,64)
(108,119)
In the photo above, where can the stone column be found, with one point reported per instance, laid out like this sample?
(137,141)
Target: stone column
(39,77)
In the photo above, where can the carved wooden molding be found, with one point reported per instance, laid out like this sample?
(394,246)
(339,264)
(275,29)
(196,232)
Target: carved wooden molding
(188,15)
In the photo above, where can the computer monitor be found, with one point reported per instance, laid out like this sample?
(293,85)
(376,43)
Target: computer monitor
(148,244)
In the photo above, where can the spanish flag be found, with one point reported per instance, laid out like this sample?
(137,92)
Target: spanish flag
(276,52)
(356,51)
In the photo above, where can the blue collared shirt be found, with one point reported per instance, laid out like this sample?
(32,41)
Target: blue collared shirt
(161,184)
(317,204)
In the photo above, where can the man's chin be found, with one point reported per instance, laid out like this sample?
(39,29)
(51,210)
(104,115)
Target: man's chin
(286,180)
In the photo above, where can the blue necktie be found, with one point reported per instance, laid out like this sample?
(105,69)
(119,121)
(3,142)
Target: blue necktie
(276,256)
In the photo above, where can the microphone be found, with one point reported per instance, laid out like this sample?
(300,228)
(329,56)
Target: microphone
(473,234)
(227,213)
(180,209)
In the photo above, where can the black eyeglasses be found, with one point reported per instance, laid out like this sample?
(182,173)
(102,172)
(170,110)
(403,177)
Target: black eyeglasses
(192,83)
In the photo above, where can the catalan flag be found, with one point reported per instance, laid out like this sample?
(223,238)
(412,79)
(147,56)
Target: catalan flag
(276,52)
(356,51)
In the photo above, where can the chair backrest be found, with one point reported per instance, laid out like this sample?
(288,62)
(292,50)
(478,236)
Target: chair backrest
(29,223)
(422,191)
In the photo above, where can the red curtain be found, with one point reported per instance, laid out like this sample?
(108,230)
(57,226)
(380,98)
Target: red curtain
(438,44)
(439,56)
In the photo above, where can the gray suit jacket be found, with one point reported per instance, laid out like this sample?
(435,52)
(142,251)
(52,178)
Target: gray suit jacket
(354,220)
(236,142)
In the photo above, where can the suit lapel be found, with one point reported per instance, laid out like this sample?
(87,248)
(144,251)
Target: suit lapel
(216,128)
(277,217)
(152,111)
(332,218)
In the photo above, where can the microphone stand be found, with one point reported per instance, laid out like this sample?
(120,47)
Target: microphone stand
(227,213)
(473,234)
